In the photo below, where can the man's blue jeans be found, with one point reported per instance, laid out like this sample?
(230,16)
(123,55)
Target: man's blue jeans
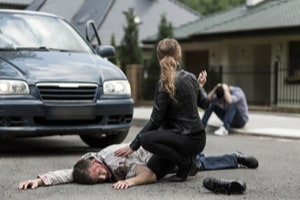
(231,116)
(227,161)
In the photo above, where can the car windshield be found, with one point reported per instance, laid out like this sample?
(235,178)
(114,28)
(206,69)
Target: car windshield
(25,31)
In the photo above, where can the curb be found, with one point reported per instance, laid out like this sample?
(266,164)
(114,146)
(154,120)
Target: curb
(210,128)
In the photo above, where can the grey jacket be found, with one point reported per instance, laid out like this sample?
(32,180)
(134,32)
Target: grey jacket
(121,168)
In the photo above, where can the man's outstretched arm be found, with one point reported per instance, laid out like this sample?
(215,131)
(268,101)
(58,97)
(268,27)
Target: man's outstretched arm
(143,176)
(50,178)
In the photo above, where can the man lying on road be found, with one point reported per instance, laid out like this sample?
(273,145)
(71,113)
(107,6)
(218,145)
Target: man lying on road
(124,172)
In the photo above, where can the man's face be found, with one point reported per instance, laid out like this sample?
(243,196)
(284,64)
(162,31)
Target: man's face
(97,172)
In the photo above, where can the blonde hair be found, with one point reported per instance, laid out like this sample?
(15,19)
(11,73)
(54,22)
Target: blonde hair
(169,55)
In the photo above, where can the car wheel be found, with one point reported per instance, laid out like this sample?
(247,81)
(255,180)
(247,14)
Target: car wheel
(98,141)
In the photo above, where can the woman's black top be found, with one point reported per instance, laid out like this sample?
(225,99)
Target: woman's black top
(180,114)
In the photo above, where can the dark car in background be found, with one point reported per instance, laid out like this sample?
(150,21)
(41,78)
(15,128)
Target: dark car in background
(53,81)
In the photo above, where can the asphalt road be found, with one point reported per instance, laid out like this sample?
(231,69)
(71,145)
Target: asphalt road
(276,178)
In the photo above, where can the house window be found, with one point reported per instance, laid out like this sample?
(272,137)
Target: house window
(294,62)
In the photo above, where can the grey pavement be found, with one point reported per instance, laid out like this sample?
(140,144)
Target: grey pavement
(269,124)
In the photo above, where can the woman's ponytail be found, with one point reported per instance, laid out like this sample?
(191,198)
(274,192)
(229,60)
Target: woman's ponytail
(167,76)
(169,55)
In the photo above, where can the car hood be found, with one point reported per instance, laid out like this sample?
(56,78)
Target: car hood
(57,67)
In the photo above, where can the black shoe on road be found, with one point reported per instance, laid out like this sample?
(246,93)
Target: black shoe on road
(247,161)
(224,186)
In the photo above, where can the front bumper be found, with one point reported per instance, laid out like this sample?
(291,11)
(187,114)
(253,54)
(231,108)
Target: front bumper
(34,118)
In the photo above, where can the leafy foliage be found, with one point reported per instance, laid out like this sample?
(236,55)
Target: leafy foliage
(129,50)
(113,43)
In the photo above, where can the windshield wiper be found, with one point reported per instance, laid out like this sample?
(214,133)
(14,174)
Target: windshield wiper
(61,50)
(41,48)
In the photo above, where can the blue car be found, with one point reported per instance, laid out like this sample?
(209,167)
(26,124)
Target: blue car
(54,81)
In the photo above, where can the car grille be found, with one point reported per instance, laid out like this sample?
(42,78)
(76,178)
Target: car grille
(67,92)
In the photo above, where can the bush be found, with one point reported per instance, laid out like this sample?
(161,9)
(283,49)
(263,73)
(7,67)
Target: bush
(129,50)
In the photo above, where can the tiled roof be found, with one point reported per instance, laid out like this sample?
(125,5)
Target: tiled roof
(78,11)
(150,12)
(89,11)
(269,14)
(65,8)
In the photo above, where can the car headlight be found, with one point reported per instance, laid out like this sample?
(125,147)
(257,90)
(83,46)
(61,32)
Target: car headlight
(116,87)
(13,87)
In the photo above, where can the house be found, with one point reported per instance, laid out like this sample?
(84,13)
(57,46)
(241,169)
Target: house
(256,46)
(108,14)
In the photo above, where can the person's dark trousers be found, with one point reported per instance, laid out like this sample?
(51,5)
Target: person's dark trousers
(227,161)
(170,147)
(231,116)
(160,166)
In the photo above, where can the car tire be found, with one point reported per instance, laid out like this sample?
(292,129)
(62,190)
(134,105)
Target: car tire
(98,141)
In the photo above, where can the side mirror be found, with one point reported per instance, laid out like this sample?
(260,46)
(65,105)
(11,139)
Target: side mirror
(105,51)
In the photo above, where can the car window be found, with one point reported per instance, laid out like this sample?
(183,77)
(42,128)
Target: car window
(43,32)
